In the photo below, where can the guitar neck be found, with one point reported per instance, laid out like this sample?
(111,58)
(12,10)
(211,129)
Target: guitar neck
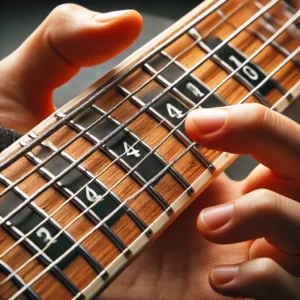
(89,188)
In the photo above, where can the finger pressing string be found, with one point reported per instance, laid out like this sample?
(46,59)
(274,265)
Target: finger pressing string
(243,129)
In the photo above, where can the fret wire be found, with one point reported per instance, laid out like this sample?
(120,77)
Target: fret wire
(75,194)
(279,67)
(263,39)
(104,88)
(258,50)
(191,109)
(273,107)
(134,195)
(62,148)
(143,109)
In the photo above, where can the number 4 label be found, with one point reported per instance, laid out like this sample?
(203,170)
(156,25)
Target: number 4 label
(131,151)
(174,112)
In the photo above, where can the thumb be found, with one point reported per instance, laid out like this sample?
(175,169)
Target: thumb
(70,37)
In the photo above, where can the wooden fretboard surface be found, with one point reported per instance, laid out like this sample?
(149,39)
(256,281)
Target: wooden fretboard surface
(90,266)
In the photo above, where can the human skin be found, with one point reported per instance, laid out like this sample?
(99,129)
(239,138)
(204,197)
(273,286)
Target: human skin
(238,239)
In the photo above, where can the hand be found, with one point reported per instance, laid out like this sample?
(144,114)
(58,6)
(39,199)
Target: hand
(178,264)
(46,60)
(253,232)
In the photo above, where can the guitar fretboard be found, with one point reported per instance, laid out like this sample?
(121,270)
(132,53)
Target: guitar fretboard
(81,197)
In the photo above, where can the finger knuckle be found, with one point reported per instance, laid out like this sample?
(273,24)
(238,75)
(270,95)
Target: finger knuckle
(266,270)
(257,116)
(265,201)
(63,11)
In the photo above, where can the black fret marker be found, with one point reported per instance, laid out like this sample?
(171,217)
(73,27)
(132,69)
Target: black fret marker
(75,180)
(171,109)
(182,136)
(196,92)
(190,87)
(122,142)
(27,219)
(230,58)
(171,73)
(80,178)
(115,144)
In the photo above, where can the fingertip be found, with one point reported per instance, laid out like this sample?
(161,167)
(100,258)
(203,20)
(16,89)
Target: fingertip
(118,34)
(222,275)
(203,122)
(214,218)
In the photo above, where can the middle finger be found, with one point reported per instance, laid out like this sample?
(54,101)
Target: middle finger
(261,213)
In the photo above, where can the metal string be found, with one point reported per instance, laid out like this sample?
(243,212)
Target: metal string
(116,159)
(87,101)
(109,112)
(143,109)
(201,102)
(119,207)
(170,132)
(98,276)
(158,175)
(77,192)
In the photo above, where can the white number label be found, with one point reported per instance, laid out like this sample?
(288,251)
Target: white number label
(131,151)
(174,112)
(252,74)
(91,195)
(45,235)
(190,86)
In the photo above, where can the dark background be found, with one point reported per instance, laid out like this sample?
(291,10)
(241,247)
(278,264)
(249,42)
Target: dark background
(19,18)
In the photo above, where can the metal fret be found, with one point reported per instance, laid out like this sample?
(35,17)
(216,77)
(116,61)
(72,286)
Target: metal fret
(209,43)
(191,90)
(17,280)
(95,136)
(105,229)
(90,99)
(31,214)
(179,133)
(135,218)
(175,173)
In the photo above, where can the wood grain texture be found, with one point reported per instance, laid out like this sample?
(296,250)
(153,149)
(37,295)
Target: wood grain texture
(147,128)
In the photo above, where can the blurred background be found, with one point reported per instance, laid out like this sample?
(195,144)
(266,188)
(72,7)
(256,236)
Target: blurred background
(19,18)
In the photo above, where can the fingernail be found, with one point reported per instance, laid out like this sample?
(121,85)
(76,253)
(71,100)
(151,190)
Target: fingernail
(224,274)
(208,120)
(216,217)
(106,17)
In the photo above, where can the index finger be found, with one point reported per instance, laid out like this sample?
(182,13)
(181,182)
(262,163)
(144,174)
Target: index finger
(271,138)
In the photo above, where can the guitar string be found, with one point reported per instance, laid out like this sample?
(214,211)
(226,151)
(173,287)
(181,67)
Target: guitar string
(29,284)
(109,112)
(118,157)
(88,100)
(100,275)
(68,200)
(171,133)
(97,175)
(142,110)
(183,153)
